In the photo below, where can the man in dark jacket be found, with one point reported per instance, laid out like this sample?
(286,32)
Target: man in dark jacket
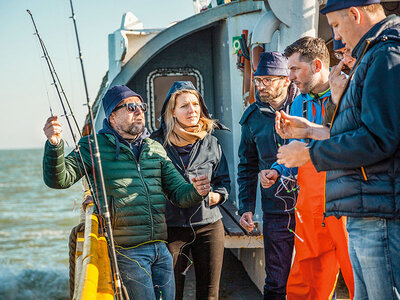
(362,155)
(257,151)
(137,175)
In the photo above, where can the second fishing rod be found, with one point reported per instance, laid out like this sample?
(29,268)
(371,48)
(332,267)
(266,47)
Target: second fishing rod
(120,289)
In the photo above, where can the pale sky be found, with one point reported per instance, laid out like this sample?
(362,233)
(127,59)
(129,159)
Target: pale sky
(25,90)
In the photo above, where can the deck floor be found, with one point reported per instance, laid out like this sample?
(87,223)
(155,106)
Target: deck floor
(236,284)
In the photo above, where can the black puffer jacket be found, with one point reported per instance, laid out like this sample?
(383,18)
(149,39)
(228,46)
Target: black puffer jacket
(362,156)
(206,157)
(257,151)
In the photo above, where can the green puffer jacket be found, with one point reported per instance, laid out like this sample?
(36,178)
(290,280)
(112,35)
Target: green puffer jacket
(136,191)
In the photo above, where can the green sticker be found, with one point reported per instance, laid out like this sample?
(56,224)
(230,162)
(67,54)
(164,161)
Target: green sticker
(236,44)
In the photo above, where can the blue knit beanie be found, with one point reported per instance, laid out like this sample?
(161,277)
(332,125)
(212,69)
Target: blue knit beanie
(272,64)
(114,96)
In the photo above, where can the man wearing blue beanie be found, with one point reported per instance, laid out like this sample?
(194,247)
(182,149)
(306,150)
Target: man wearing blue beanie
(139,178)
(362,154)
(257,151)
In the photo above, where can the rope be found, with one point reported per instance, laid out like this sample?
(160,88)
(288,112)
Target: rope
(72,250)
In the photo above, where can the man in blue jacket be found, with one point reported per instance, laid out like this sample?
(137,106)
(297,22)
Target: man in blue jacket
(362,155)
(257,151)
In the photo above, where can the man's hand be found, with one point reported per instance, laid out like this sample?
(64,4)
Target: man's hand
(201,184)
(268,177)
(52,129)
(247,221)
(337,81)
(294,154)
(214,198)
(291,127)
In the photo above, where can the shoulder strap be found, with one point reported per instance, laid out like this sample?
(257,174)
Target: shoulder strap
(305,109)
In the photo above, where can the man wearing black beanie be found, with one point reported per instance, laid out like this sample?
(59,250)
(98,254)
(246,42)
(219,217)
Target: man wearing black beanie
(139,178)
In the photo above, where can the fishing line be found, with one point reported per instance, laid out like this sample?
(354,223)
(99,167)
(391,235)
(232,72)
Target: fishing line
(194,232)
(44,79)
(290,184)
(55,83)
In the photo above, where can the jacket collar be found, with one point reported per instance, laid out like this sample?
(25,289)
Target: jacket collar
(388,28)
(312,97)
(293,91)
(107,129)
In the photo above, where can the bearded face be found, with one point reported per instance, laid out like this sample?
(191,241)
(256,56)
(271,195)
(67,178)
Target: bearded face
(272,89)
(129,124)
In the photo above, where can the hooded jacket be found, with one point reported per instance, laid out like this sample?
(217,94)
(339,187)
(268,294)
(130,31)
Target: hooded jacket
(136,188)
(257,151)
(206,157)
(362,156)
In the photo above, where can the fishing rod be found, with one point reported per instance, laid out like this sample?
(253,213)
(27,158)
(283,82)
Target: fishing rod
(120,289)
(60,91)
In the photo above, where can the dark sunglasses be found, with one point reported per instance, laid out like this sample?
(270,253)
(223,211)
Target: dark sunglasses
(132,107)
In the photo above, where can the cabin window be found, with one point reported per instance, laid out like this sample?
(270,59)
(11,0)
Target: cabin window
(158,84)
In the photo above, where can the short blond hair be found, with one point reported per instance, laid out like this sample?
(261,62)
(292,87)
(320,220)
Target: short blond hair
(169,119)
(373,8)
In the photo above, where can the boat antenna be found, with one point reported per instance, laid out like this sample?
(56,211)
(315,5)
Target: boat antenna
(60,92)
(120,289)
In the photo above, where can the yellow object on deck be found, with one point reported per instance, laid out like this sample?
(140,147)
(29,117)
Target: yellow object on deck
(93,271)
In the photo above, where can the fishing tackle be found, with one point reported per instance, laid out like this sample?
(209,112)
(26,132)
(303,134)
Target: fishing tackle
(120,289)
(60,91)
(121,292)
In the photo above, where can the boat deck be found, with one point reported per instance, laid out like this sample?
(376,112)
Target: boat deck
(236,284)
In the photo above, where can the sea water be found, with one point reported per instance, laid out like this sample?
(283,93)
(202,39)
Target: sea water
(35,223)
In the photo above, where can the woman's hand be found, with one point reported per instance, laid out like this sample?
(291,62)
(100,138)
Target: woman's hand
(214,198)
(201,184)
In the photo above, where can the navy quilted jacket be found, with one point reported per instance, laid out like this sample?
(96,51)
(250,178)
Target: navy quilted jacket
(362,156)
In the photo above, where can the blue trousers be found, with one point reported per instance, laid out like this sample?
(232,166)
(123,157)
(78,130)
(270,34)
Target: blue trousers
(374,247)
(147,271)
(278,251)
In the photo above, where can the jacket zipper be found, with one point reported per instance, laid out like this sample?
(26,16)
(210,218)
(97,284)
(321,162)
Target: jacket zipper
(341,96)
(147,192)
(192,154)
(148,200)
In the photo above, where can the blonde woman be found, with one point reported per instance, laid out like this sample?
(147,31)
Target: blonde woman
(186,133)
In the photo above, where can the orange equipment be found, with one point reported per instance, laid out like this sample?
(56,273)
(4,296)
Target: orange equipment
(324,249)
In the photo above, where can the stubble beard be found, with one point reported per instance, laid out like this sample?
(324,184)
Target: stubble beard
(135,129)
(271,97)
(309,86)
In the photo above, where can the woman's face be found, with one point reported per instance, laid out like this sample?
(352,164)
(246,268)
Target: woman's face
(187,109)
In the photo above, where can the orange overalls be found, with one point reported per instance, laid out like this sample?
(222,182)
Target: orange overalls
(324,250)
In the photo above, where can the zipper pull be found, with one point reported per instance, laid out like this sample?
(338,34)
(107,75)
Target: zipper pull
(323,220)
(138,166)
